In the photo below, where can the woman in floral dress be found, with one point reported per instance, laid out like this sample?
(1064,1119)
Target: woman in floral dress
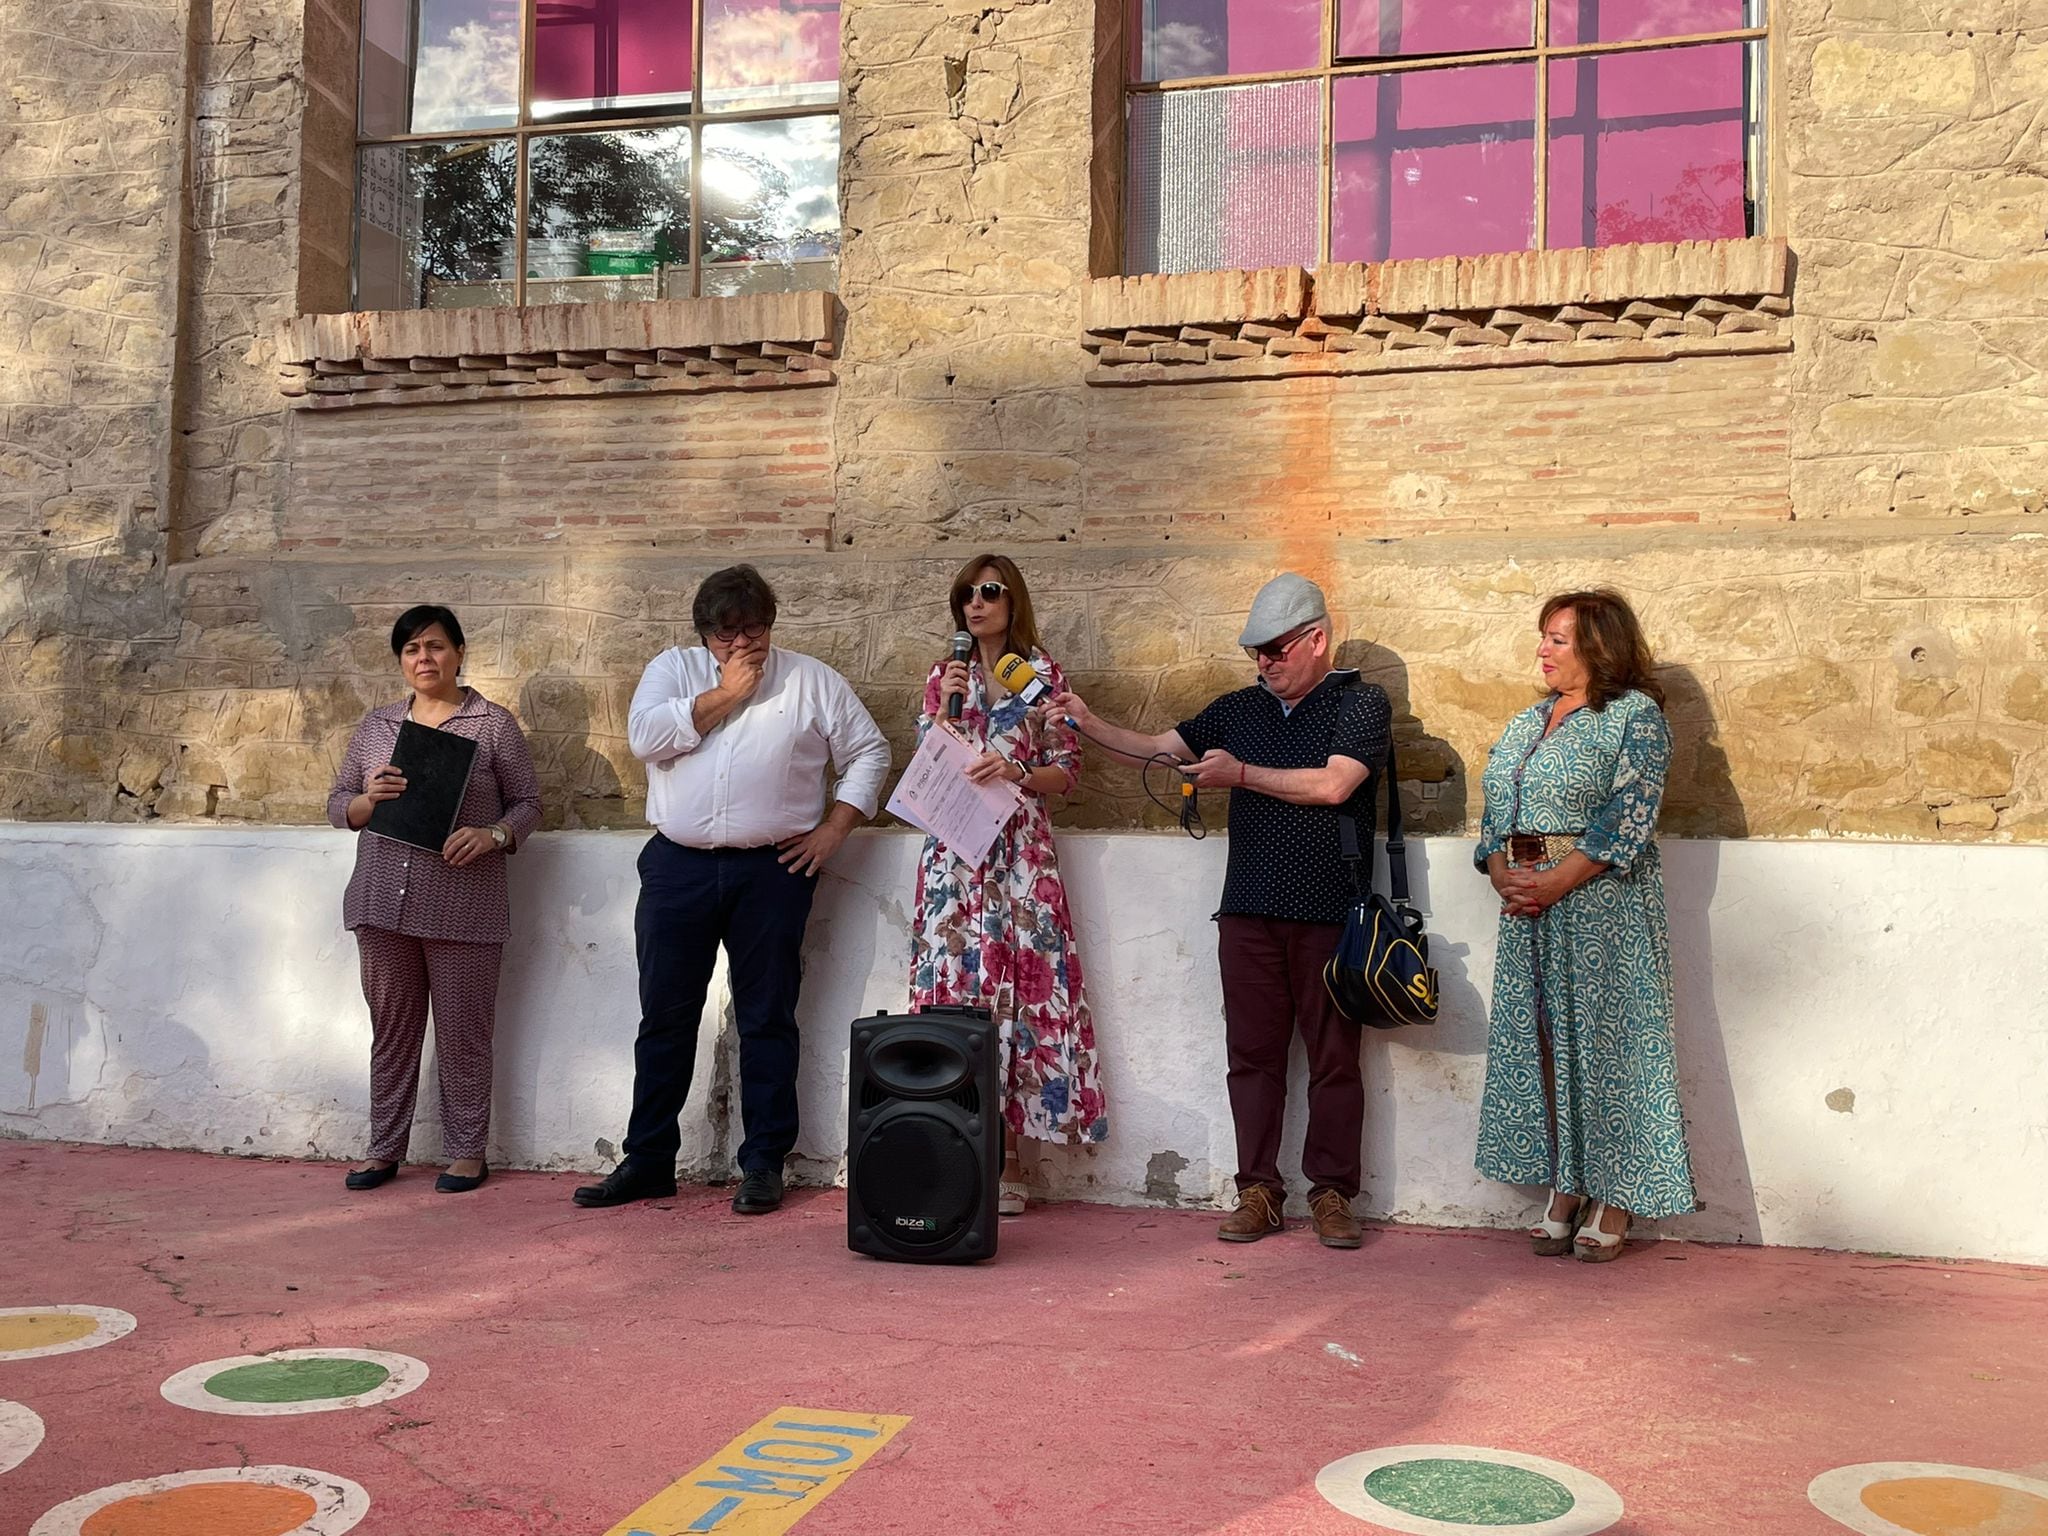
(1000,936)
(1581,1078)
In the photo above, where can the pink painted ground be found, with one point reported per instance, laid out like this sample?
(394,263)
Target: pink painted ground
(1114,1370)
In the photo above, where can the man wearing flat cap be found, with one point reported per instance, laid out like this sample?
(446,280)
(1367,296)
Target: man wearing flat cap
(1295,750)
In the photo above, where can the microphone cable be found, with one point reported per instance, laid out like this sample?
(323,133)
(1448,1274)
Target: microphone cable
(1188,813)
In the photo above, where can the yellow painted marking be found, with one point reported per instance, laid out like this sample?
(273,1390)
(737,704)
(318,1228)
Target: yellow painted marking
(1954,1506)
(38,1330)
(768,1477)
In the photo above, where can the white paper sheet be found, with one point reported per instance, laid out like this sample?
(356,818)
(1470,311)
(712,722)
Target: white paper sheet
(936,796)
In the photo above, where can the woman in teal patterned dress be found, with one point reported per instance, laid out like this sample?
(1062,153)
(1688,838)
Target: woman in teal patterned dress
(1581,1080)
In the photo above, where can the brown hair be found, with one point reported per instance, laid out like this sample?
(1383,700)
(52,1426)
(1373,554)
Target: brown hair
(1610,642)
(1023,635)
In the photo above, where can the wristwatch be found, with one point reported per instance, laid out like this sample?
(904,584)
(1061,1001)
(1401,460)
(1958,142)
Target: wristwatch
(499,835)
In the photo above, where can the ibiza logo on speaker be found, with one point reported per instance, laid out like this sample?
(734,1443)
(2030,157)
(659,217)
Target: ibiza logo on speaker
(916,1223)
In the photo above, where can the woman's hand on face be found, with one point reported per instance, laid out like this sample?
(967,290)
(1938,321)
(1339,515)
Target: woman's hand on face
(466,845)
(385,783)
(953,680)
(989,767)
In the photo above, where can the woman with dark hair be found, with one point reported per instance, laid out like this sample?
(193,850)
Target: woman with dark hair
(1581,1079)
(1001,936)
(429,929)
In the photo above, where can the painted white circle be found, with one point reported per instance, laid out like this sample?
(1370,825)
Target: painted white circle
(1839,1494)
(1595,1506)
(20,1433)
(113,1324)
(338,1504)
(188,1388)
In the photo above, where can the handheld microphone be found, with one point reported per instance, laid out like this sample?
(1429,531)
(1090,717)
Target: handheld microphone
(1022,679)
(963,647)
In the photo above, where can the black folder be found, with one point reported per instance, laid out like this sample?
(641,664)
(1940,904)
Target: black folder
(436,765)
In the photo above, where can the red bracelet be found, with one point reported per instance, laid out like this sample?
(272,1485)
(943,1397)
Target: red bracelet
(1240,775)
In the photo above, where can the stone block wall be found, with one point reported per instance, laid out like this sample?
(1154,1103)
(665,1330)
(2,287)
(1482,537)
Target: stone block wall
(1832,526)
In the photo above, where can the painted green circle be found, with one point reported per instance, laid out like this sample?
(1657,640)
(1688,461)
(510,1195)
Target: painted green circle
(297,1381)
(1469,1492)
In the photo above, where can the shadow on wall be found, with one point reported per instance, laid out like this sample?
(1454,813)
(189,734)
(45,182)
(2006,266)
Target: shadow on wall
(1701,801)
(579,785)
(1434,788)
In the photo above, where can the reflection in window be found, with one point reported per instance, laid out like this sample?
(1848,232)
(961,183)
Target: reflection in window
(767,53)
(1436,163)
(616,140)
(1191,39)
(1387,29)
(771,205)
(434,224)
(1650,146)
(438,66)
(1418,129)
(616,57)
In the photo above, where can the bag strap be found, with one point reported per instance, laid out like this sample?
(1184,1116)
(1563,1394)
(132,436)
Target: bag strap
(1357,860)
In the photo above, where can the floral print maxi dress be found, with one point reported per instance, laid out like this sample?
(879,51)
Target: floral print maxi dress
(1592,972)
(1000,937)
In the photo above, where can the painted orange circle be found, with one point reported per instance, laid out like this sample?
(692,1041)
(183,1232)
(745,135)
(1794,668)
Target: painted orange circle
(39,1330)
(1956,1506)
(204,1509)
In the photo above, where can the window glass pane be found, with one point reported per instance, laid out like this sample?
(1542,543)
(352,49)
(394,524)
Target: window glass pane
(458,70)
(770,205)
(1226,178)
(434,224)
(765,53)
(616,57)
(1185,39)
(1625,21)
(1383,29)
(608,216)
(1651,146)
(1440,162)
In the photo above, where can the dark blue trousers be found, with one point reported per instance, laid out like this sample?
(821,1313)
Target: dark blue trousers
(691,901)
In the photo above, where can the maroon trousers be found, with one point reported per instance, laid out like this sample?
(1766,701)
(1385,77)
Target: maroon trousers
(402,976)
(1272,983)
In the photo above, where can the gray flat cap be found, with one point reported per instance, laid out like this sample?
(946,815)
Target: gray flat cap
(1286,602)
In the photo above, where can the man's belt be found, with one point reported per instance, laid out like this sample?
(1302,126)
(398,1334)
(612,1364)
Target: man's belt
(1540,847)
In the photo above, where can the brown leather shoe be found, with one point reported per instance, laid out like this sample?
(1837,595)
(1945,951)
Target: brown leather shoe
(1330,1214)
(1257,1213)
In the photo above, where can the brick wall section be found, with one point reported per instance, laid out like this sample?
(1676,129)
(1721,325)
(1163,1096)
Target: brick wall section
(1324,460)
(723,471)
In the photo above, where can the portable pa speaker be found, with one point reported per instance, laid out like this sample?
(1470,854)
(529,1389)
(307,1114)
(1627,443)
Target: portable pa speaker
(924,1136)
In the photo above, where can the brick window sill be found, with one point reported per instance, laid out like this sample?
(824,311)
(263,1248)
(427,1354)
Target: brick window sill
(663,346)
(1536,308)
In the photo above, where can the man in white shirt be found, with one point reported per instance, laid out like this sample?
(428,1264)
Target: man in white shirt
(736,734)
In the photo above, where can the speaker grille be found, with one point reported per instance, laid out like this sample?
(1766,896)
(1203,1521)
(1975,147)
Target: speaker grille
(873,1096)
(916,1180)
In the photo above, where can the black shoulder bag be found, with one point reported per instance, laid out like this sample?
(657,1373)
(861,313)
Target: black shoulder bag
(1380,975)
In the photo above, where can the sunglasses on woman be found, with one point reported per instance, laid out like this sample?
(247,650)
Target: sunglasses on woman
(725,634)
(989,590)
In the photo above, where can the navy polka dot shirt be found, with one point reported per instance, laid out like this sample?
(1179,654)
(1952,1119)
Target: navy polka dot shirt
(1285,861)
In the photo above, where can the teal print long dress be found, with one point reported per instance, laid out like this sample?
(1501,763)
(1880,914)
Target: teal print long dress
(1592,972)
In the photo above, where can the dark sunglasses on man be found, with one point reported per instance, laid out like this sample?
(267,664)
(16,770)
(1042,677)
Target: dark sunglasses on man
(1274,650)
(989,590)
(725,634)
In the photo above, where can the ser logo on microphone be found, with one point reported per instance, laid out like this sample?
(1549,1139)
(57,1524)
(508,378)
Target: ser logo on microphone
(1022,679)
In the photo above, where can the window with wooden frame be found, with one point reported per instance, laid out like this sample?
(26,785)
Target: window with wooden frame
(1265,133)
(563,151)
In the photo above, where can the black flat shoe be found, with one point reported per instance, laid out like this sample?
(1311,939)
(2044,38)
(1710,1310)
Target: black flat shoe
(759,1192)
(623,1185)
(370,1178)
(456,1184)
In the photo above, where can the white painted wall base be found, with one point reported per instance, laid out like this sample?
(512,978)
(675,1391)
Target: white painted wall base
(1860,1025)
